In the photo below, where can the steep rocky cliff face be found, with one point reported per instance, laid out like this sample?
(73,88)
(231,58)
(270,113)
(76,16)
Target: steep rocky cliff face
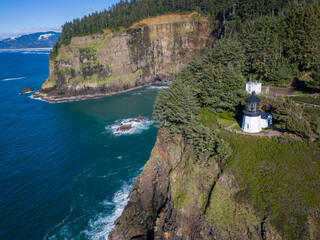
(149,52)
(179,197)
(176,197)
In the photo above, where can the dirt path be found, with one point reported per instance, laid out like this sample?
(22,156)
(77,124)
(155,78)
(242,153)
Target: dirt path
(270,132)
(234,124)
(281,91)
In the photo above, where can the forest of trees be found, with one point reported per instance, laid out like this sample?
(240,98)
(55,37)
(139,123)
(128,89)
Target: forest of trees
(206,84)
(275,49)
(125,13)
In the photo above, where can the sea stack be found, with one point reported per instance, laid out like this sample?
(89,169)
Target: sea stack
(27,90)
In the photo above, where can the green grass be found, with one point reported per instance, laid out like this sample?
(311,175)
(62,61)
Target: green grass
(298,92)
(307,99)
(237,127)
(226,122)
(208,118)
(278,177)
(141,25)
(227,115)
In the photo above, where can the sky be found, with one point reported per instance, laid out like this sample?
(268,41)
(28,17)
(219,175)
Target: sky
(19,17)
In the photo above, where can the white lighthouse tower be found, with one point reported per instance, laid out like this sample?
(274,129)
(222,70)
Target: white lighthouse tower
(252,115)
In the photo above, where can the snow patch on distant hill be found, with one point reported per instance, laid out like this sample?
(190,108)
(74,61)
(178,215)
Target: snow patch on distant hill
(45,36)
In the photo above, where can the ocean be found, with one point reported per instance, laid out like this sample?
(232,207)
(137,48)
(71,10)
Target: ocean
(64,173)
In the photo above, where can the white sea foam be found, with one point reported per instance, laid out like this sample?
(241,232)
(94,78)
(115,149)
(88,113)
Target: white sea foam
(100,227)
(38,98)
(10,79)
(137,127)
(35,52)
(158,87)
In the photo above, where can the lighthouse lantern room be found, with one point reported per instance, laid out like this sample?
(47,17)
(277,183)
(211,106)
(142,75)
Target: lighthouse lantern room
(252,115)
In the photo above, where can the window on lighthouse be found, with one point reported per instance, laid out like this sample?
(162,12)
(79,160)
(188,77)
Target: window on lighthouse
(251,107)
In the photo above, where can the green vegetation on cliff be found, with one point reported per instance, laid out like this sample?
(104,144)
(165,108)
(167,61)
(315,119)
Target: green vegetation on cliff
(279,178)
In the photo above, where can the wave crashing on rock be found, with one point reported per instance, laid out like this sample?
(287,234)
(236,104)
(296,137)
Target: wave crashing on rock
(129,126)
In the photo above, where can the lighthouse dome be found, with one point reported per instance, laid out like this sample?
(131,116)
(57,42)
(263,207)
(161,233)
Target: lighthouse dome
(253,98)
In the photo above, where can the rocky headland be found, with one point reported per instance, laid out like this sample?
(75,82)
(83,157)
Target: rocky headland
(177,197)
(105,64)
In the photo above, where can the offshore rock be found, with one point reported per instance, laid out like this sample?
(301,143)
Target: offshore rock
(138,119)
(110,63)
(27,90)
(124,128)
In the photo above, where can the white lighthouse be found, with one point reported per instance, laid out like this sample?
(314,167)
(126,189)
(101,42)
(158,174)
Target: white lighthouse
(252,115)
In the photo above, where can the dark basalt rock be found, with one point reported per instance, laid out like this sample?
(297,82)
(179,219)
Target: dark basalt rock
(124,128)
(139,119)
(27,90)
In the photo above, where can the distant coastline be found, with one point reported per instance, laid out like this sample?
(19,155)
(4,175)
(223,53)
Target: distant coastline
(23,49)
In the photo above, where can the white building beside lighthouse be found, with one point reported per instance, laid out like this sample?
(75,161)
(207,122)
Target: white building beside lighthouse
(254,86)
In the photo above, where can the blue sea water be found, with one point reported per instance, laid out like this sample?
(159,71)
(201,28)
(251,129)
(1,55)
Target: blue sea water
(64,174)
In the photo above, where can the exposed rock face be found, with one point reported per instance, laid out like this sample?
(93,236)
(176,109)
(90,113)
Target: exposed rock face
(138,119)
(175,197)
(124,128)
(115,62)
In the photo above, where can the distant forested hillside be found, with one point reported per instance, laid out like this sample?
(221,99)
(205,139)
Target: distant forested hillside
(34,40)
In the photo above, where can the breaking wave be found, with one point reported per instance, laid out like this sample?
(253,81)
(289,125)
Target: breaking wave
(10,79)
(38,98)
(35,52)
(100,227)
(136,127)
(158,87)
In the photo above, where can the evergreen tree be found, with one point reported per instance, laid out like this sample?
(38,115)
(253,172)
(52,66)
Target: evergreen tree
(291,117)
(176,107)
(303,34)
(228,52)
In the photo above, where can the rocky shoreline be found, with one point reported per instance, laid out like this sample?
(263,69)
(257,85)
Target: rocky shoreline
(56,99)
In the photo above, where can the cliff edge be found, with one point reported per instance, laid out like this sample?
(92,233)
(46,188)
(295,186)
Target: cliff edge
(179,197)
(175,197)
(104,64)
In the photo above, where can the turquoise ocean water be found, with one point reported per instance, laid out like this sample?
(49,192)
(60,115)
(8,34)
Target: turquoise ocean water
(64,174)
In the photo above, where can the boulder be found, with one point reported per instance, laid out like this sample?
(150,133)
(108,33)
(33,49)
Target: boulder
(124,128)
(139,119)
(27,90)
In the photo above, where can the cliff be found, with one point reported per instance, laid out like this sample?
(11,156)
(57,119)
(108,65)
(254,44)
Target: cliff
(148,52)
(179,197)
